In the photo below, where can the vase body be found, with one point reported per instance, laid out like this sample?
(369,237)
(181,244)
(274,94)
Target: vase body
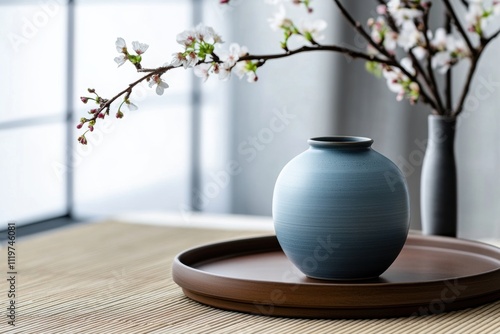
(438,193)
(341,209)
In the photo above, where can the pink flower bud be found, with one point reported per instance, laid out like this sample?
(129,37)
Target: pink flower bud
(79,126)
(92,111)
(119,114)
(91,90)
(84,99)
(381,9)
(82,140)
(91,128)
(101,115)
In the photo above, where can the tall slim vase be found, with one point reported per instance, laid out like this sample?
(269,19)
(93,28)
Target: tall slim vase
(438,193)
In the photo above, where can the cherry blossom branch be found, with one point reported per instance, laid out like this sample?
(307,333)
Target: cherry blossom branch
(415,62)
(403,24)
(465,3)
(430,71)
(470,74)
(449,74)
(459,26)
(106,104)
(489,39)
(465,90)
(359,28)
(319,47)
(155,73)
(476,54)
(420,72)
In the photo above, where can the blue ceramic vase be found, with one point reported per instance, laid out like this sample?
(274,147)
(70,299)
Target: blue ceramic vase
(341,210)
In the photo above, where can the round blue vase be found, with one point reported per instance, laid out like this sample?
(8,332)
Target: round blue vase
(341,210)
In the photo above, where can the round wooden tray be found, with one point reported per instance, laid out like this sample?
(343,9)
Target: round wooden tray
(431,275)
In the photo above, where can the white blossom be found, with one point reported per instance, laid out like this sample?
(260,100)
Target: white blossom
(235,52)
(204,33)
(419,52)
(393,78)
(202,71)
(224,71)
(160,84)
(496,7)
(229,59)
(186,61)
(314,28)
(279,20)
(478,17)
(251,76)
(407,64)
(241,70)
(120,60)
(130,105)
(178,59)
(409,35)
(400,13)
(439,40)
(121,47)
(474,14)
(442,61)
(120,44)
(139,48)
(186,38)
(381,32)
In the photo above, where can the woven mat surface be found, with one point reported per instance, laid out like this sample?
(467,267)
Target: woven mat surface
(116,278)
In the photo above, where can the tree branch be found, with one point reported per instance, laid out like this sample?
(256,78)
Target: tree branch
(420,71)
(318,47)
(433,83)
(459,26)
(356,25)
(128,90)
(489,39)
(465,90)
(465,3)
(448,90)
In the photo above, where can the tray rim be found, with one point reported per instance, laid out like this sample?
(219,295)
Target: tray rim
(200,293)
(329,282)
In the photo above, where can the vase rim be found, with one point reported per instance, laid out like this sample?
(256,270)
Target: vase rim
(443,117)
(340,141)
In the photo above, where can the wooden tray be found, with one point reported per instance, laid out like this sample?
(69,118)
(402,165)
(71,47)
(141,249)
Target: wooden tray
(431,275)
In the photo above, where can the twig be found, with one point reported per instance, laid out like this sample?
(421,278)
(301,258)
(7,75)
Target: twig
(465,90)
(472,70)
(128,90)
(356,25)
(489,39)
(459,26)
(349,52)
(448,90)
(420,71)
(430,72)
